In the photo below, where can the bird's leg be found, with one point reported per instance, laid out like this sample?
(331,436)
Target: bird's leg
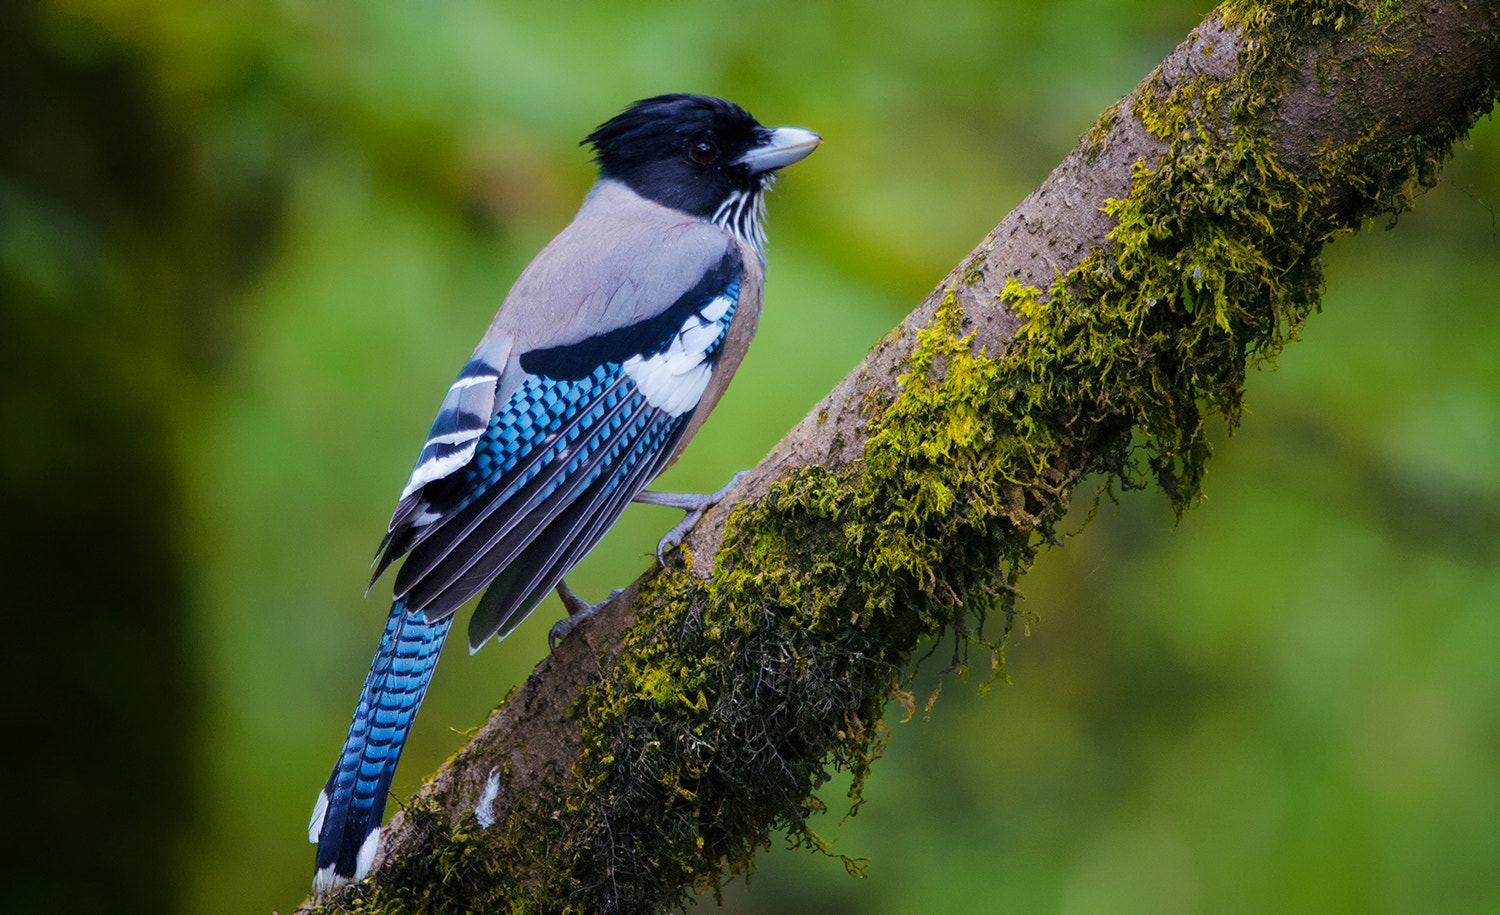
(694,503)
(578,611)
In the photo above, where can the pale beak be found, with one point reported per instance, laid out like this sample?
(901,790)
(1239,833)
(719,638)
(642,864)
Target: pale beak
(781,148)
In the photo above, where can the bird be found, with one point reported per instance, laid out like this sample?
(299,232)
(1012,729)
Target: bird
(600,364)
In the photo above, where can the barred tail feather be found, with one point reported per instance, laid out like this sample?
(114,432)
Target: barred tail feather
(346,820)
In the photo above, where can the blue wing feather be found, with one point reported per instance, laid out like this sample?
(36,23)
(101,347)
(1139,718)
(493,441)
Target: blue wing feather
(529,579)
(498,538)
(525,437)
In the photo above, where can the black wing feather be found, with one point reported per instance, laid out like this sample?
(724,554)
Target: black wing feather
(528,579)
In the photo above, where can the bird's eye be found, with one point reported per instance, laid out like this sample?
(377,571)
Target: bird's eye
(704,152)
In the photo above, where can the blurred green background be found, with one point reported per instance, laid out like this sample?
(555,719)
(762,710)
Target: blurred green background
(244,246)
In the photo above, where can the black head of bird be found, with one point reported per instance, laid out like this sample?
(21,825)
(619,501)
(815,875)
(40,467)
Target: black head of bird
(699,155)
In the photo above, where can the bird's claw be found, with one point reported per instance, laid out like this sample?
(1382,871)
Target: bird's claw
(675,533)
(693,504)
(578,611)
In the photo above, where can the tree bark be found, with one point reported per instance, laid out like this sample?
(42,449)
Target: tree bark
(1090,334)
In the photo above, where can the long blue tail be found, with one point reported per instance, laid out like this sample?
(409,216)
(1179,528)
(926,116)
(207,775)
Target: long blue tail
(346,821)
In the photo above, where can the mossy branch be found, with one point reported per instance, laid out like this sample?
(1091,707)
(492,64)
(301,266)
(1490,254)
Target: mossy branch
(1093,333)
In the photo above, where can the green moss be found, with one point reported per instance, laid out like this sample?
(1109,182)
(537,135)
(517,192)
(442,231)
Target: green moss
(1093,140)
(737,698)
(1305,17)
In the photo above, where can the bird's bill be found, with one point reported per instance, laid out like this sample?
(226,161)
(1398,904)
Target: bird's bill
(782,147)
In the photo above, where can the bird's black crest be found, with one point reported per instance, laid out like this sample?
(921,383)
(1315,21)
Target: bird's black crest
(680,150)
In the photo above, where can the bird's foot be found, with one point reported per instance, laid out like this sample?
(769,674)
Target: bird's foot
(578,611)
(693,503)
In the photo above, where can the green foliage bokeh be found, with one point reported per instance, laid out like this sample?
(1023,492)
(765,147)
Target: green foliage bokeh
(1290,701)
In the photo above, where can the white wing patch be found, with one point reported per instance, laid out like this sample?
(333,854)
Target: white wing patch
(674,379)
(460,421)
(716,310)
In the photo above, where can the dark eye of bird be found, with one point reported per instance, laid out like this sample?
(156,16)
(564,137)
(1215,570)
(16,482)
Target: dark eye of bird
(704,152)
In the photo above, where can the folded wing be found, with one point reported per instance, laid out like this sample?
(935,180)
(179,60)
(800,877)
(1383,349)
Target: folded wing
(574,431)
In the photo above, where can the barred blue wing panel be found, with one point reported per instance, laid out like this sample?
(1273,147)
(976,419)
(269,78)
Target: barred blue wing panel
(527,580)
(571,422)
(607,450)
(517,463)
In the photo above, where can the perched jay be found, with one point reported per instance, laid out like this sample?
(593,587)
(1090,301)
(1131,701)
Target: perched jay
(602,361)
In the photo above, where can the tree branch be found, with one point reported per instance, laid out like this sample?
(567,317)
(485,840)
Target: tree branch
(1091,333)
